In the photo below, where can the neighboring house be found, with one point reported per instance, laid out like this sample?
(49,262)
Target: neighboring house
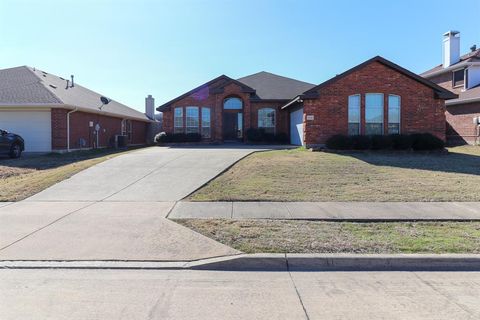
(55,114)
(460,74)
(375,97)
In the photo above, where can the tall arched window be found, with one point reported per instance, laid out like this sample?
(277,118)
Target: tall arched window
(178,120)
(393,114)
(266,119)
(373,113)
(192,120)
(232,103)
(354,114)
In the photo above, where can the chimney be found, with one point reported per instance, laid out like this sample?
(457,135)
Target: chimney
(150,107)
(71,86)
(451,48)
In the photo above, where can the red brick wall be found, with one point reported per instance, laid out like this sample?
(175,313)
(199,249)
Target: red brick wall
(420,111)
(460,127)
(204,98)
(80,129)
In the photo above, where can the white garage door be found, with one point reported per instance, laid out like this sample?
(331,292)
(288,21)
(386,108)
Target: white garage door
(296,127)
(33,126)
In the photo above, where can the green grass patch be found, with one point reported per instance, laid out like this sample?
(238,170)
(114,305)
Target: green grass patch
(293,236)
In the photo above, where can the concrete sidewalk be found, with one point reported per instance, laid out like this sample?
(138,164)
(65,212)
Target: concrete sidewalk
(357,211)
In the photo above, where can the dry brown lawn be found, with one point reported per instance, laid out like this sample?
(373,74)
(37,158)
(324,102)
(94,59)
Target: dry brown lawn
(301,175)
(279,236)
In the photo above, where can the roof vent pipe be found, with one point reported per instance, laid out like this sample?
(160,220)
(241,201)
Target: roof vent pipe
(72,81)
(68,81)
(473,48)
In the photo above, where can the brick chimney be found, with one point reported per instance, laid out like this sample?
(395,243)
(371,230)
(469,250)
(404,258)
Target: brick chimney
(150,107)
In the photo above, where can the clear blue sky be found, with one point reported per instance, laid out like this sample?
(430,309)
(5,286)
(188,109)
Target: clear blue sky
(128,49)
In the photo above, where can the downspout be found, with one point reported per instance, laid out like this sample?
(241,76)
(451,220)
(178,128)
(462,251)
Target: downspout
(68,127)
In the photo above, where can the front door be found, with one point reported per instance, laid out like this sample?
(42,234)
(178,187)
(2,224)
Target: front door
(232,125)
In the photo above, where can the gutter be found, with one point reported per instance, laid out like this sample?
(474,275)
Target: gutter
(295,100)
(462,101)
(451,68)
(68,128)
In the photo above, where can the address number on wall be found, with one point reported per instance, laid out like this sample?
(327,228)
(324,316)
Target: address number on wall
(310,117)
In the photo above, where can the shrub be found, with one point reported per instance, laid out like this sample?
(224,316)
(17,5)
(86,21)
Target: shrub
(281,138)
(339,142)
(380,142)
(426,141)
(401,141)
(254,135)
(361,142)
(163,137)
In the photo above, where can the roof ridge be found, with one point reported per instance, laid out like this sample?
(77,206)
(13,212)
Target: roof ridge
(274,74)
(43,83)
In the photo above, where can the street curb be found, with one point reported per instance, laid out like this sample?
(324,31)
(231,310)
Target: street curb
(278,263)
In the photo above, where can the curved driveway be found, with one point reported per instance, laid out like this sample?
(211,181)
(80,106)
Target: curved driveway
(117,210)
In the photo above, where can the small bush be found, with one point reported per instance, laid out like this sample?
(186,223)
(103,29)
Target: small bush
(361,142)
(401,141)
(426,141)
(254,135)
(281,138)
(339,142)
(380,142)
(163,137)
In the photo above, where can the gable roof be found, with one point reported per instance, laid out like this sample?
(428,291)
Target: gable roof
(439,91)
(472,56)
(269,86)
(222,80)
(29,86)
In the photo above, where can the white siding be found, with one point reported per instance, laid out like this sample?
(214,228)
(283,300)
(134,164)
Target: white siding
(33,126)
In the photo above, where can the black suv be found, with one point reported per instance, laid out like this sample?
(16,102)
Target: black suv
(11,144)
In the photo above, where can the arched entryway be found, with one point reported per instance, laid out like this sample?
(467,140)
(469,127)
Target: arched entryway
(232,119)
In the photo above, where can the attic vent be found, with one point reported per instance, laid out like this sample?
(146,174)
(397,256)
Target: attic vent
(61,78)
(44,72)
(45,76)
(53,86)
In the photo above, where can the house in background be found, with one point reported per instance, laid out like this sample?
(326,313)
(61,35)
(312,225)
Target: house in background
(55,114)
(223,108)
(460,74)
(375,97)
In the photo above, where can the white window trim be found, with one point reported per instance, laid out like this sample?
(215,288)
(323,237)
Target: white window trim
(359,111)
(399,112)
(383,111)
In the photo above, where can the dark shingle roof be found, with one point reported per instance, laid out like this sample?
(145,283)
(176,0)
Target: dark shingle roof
(271,86)
(473,56)
(25,85)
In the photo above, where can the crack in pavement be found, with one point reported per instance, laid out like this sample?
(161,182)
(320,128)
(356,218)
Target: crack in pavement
(296,289)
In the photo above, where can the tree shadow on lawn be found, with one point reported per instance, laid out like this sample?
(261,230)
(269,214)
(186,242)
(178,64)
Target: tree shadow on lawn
(451,162)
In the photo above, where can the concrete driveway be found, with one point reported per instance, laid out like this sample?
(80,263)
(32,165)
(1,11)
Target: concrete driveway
(116,210)
(150,174)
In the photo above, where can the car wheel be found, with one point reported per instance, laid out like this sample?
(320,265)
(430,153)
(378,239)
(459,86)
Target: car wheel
(15,151)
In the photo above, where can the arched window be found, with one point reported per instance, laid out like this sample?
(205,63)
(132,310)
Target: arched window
(354,115)
(373,113)
(393,114)
(232,103)
(178,120)
(192,120)
(266,119)
(206,131)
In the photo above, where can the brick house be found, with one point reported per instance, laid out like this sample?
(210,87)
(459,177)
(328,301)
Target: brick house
(460,74)
(375,97)
(55,114)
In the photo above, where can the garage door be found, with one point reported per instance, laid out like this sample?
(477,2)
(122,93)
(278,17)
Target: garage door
(34,127)
(296,127)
